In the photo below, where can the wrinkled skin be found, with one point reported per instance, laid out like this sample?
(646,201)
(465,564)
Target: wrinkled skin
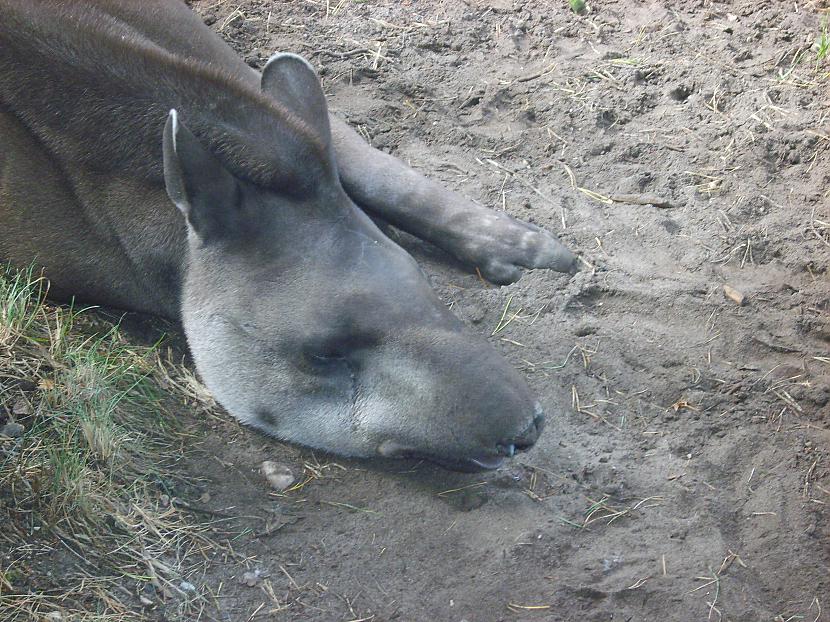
(304,320)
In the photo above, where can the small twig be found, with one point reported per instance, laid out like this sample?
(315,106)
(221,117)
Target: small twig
(538,74)
(644,199)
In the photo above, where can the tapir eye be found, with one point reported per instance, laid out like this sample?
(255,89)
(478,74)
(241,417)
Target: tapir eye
(327,350)
(336,347)
(321,360)
(324,354)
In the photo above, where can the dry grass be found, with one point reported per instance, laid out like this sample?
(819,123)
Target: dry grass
(89,526)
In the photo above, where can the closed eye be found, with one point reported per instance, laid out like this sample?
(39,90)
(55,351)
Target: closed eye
(322,358)
(319,364)
(338,347)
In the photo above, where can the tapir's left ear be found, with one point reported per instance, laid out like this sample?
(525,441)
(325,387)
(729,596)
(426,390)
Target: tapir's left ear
(292,81)
(198,183)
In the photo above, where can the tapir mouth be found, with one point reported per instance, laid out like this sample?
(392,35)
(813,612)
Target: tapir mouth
(468,465)
(475,463)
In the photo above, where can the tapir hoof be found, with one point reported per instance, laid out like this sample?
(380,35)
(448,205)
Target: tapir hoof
(506,246)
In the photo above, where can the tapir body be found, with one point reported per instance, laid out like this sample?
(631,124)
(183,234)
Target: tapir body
(144,166)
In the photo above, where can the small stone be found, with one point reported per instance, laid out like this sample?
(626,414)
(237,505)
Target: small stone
(185,586)
(250,579)
(53,616)
(21,408)
(12,430)
(734,295)
(145,602)
(278,475)
(205,498)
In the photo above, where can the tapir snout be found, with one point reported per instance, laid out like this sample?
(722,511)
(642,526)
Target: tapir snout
(324,332)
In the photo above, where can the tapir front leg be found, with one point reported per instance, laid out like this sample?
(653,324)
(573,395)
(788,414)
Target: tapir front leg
(494,242)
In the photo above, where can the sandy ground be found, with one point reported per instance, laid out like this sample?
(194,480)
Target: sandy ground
(684,474)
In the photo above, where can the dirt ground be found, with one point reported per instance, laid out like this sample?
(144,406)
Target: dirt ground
(679,147)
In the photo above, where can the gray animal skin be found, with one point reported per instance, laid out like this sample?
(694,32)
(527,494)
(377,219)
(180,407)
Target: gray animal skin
(304,320)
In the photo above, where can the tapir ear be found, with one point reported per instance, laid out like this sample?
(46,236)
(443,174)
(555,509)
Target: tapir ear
(197,182)
(292,81)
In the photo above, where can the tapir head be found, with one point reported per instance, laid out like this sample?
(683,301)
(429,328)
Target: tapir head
(306,321)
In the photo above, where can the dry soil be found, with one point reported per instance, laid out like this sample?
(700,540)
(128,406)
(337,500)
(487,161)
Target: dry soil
(680,148)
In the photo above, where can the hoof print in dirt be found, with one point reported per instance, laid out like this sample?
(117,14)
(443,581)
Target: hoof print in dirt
(466,500)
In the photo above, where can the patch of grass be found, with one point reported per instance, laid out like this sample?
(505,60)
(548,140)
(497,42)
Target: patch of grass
(19,296)
(88,523)
(805,66)
(822,44)
(577,6)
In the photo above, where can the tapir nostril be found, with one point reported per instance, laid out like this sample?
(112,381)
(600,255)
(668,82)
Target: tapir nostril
(539,422)
(526,439)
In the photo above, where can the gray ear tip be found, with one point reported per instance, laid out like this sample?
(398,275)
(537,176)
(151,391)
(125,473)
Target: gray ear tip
(281,57)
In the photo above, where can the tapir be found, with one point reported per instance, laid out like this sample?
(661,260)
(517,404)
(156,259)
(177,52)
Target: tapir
(144,166)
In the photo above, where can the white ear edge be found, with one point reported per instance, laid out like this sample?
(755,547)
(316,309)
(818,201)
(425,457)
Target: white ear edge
(174,119)
(180,199)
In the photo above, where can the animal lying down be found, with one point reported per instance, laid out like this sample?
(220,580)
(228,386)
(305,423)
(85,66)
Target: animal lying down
(304,320)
